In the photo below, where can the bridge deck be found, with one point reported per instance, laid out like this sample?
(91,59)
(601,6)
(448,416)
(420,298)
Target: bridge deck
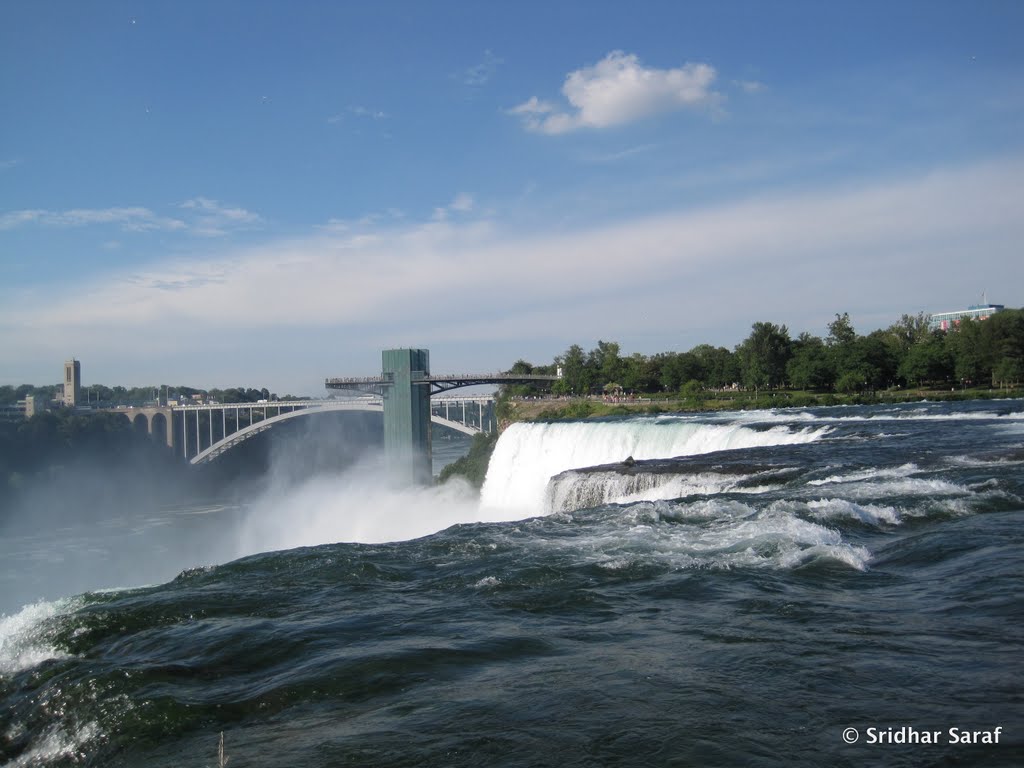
(438,383)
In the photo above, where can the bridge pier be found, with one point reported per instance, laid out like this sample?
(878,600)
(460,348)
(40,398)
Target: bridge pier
(151,414)
(407,443)
(406,384)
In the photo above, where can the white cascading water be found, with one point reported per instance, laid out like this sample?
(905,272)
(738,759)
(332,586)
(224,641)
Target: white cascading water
(529,454)
(571,490)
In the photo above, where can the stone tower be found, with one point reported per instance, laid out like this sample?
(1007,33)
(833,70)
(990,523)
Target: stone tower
(72,382)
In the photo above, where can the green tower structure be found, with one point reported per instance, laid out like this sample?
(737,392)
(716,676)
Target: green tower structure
(407,413)
(405,385)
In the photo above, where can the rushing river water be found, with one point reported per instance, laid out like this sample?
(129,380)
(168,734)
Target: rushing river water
(745,591)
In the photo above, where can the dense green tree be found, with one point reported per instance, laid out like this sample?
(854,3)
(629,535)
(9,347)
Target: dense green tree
(720,366)
(877,360)
(763,356)
(677,368)
(1006,330)
(577,376)
(909,330)
(840,331)
(841,342)
(639,374)
(810,366)
(605,362)
(927,361)
(964,347)
(1008,372)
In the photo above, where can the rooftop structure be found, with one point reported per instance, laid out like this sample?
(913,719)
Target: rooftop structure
(946,320)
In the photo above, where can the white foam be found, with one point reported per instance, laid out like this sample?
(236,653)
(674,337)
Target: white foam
(922,414)
(24,639)
(57,744)
(867,474)
(872,514)
(709,534)
(907,486)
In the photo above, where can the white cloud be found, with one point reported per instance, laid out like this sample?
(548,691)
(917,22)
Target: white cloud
(533,107)
(134,219)
(618,90)
(672,280)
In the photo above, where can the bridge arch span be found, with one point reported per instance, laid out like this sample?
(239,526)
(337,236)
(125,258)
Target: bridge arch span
(226,443)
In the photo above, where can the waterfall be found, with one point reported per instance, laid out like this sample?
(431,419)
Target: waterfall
(528,455)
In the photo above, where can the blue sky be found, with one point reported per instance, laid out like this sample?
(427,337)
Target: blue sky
(266,194)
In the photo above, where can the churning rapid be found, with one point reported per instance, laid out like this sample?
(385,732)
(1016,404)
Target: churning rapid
(744,588)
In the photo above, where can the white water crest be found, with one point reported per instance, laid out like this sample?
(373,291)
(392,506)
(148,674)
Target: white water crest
(528,455)
(708,533)
(57,744)
(572,490)
(25,639)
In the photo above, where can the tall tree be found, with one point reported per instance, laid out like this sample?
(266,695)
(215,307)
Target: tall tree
(810,367)
(721,367)
(605,362)
(639,374)
(763,356)
(577,376)
(927,360)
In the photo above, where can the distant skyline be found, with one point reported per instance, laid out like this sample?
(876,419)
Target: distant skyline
(266,194)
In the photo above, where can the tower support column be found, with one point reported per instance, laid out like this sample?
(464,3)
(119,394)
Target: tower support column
(407,443)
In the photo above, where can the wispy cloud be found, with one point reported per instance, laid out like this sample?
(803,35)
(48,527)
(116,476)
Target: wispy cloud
(614,157)
(749,86)
(362,223)
(480,74)
(462,203)
(211,219)
(847,248)
(358,112)
(199,216)
(6,165)
(134,219)
(617,90)
(365,112)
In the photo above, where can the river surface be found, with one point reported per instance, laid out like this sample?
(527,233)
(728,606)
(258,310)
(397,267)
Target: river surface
(797,587)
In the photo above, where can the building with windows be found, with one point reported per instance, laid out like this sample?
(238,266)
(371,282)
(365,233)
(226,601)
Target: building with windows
(946,320)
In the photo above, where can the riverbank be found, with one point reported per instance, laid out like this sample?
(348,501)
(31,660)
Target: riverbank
(553,408)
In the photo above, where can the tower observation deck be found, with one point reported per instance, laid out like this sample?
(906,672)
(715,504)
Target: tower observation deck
(405,385)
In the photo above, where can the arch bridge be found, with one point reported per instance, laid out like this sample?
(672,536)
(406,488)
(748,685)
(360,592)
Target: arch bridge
(410,398)
(204,431)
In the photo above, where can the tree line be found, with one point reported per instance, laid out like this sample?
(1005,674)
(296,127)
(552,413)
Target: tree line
(103,396)
(908,353)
